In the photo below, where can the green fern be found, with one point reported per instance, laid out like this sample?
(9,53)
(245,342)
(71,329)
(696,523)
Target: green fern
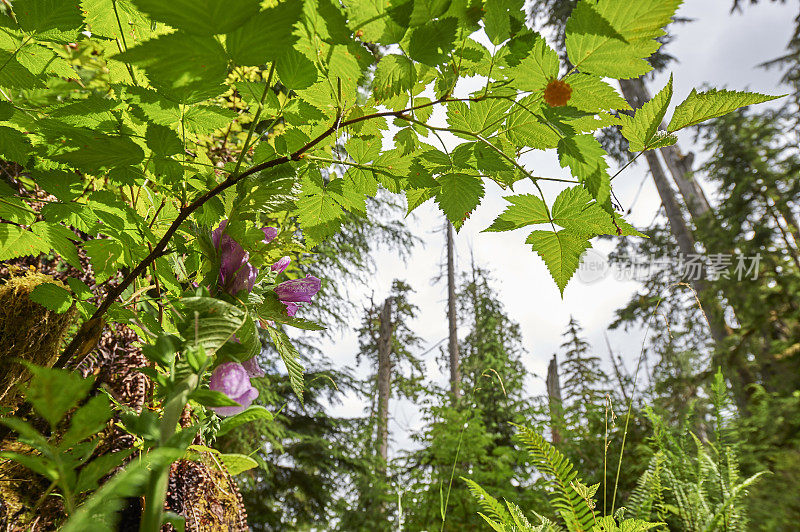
(561,476)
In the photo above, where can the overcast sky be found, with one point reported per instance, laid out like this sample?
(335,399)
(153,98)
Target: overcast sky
(717,49)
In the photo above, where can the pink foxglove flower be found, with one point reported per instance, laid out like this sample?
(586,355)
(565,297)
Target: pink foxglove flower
(232,379)
(269,234)
(281,265)
(296,291)
(235,272)
(291,308)
(253,369)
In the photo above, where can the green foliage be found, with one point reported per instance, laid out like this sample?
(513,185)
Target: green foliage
(573,499)
(67,459)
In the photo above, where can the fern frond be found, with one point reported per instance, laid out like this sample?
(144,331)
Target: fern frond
(560,475)
(499,516)
(648,496)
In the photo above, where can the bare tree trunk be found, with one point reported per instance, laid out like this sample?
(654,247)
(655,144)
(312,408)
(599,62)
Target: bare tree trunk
(384,379)
(455,370)
(554,400)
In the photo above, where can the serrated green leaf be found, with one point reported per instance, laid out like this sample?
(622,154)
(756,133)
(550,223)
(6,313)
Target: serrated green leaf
(266,36)
(186,68)
(101,17)
(592,94)
(394,75)
(53,20)
(102,152)
(53,392)
(295,70)
(535,71)
(482,117)
(641,130)
(561,252)
(576,210)
(203,17)
(289,355)
(584,155)
(613,38)
(432,42)
(210,322)
(525,209)
(252,413)
(14,145)
(501,18)
(52,297)
(88,420)
(18,242)
(701,106)
(238,463)
(458,195)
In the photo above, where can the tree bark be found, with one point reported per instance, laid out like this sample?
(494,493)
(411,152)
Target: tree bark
(386,330)
(452,347)
(554,400)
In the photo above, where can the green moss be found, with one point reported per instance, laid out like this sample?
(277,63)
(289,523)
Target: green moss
(28,331)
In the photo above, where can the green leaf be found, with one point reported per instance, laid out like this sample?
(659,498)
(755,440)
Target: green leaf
(266,36)
(525,129)
(100,512)
(87,421)
(35,463)
(289,355)
(52,297)
(576,210)
(483,117)
(238,463)
(561,252)
(101,16)
(592,94)
(525,209)
(272,309)
(395,74)
(536,70)
(641,130)
(103,152)
(186,68)
(210,322)
(432,43)
(203,17)
(584,155)
(101,466)
(613,38)
(267,192)
(163,140)
(502,18)
(212,398)
(14,145)
(701,106)
(53,392)
(318,211)
(458,196)
(253,413)
(295,70)
(50,20)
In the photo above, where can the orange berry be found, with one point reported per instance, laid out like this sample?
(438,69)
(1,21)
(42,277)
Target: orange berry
(557,93)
